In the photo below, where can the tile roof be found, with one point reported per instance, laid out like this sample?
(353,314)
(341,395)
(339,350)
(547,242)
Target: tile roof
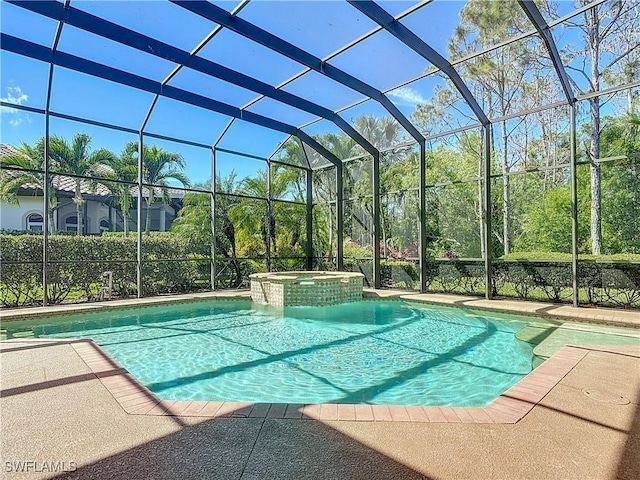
(6,149)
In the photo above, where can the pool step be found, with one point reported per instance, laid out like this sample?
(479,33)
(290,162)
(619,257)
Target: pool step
(535,334)
(551,338)
(20,334)
(570,336)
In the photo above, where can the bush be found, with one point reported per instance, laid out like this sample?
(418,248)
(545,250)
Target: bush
(399,274)
(77,264)
(353,250)
(20,270)
(456,276)
(602,279)
(173,264)
(538,255)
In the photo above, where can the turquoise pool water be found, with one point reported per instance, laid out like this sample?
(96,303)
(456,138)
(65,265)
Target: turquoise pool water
(376,352)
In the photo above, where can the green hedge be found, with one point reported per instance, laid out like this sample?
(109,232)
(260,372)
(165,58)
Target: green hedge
(610,280)
(620,257)
(77,265)
(399,274)
(602,279)
(20,280)
(172,264)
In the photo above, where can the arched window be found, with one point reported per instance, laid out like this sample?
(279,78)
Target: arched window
(71,224)
(104,226)
(35,222)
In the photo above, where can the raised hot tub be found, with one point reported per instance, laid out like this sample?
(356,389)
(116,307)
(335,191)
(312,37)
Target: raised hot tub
(305,288)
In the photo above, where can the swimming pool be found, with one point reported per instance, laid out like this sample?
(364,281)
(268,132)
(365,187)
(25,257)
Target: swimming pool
(375,352)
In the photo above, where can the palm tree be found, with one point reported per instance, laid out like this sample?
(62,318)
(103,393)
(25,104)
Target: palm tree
(324,187)
(631,124)
(194,223)
(381,132)
(194,218)
(77,158)
(28,160)
(125,168)
(158,167)
(342,146)
(252,215)
(252,212)
(224,225)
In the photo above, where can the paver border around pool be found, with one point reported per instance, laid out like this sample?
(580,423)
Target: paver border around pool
(509,408)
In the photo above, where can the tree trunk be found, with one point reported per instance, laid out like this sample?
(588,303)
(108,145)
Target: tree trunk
(384,235)
(230,233)
(264,234)
(506,193)
(78,202)
(481,206)
(52,227)
(295,238)
(272,231)
(148,220)
(125,221)
(546,152)
(630,74)
(593,40)
(330,230)
(596,200)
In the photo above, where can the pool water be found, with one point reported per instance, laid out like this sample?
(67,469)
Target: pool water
(375,352)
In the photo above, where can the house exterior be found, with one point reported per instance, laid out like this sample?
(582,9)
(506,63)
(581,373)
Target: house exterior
(100,210)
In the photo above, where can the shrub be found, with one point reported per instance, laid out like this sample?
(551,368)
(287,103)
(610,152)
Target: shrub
(353,250)
(398,273)
(20,269)
(456,276)
(602,279)
(77,264)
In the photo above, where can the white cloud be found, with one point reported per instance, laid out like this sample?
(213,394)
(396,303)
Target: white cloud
(15,96)
(4,109)
(408,96)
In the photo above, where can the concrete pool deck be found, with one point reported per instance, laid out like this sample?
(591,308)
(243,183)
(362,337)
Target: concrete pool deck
(68,404)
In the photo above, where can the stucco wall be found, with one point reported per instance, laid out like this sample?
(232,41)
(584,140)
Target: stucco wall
(14,217)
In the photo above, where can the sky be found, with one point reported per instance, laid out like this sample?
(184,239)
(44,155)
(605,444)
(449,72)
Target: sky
(319,27)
